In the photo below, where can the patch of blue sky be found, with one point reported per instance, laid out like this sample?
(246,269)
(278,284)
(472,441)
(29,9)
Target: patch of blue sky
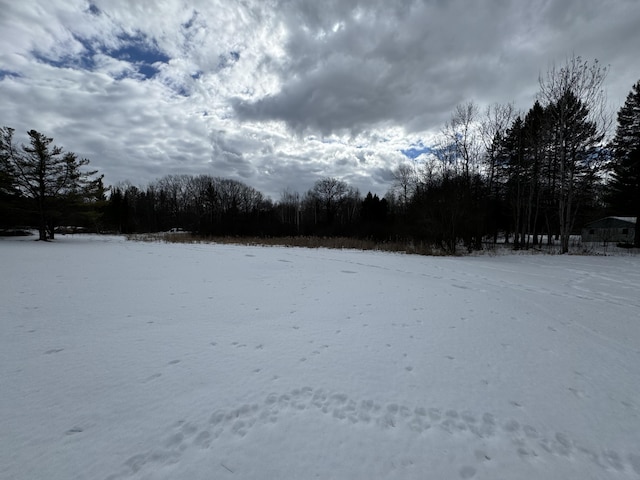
(83,61)
(135,49)
(141,53)
(228,60)
(192,20)
(180,90)
(447,152)
(8,74)
(181,87)
(415,150)
(93,9)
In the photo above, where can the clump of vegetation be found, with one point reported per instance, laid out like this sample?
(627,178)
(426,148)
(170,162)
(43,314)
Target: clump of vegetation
(338,243)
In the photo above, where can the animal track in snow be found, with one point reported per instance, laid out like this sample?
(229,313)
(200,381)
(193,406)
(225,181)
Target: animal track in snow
(527,441)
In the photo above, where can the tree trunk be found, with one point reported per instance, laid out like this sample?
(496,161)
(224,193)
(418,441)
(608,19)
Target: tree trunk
(42,230)
(42,227)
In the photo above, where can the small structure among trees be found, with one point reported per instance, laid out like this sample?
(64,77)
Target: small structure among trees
(610,230)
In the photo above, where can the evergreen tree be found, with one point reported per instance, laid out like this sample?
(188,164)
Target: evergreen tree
(373,217)
(534,140)
(575,104)
(511,170)
(625,185)
(52,181)
(8,191)
(574,152)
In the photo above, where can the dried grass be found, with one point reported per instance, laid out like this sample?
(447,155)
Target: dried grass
(339,243)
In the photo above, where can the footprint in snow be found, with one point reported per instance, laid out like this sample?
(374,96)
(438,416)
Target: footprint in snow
(528,442)
(467,472)
(54,350)
(152,377)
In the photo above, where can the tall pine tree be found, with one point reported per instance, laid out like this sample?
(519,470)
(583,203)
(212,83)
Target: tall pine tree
(625,185)
(575,104)
(52,182)
(575,155)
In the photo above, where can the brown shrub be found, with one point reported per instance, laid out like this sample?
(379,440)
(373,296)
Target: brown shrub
(340,243)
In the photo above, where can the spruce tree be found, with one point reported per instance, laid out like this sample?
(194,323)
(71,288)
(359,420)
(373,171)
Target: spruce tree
(575,158)
(8,191)
(574,101)
(624,189)
(53,181)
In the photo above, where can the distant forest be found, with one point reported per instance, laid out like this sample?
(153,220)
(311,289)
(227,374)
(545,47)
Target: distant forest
(523,177)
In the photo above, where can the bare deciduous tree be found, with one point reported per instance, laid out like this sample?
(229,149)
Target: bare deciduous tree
(289,208)
(462,136)
(574,97)
(497,119)
(405,179)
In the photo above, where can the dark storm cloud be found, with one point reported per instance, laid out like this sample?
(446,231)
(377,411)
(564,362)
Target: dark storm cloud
(357,65)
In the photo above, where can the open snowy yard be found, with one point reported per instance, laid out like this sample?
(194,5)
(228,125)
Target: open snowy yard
(123,360)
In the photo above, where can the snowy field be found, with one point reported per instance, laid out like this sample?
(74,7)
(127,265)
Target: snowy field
(124,360)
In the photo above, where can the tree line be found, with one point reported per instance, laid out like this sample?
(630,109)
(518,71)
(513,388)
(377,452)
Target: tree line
(209,205)
(526,177)
(532,176)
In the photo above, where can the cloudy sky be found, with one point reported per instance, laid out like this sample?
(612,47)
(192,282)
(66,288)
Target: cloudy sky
(280,93)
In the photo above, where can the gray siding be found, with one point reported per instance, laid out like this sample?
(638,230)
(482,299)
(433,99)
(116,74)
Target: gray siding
(610,229)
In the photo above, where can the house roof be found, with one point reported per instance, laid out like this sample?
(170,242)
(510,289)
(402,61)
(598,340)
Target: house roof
(613,222)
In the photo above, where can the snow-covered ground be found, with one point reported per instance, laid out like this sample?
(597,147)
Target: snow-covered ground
(125,360)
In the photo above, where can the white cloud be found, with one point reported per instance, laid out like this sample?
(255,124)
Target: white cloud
(280,93)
